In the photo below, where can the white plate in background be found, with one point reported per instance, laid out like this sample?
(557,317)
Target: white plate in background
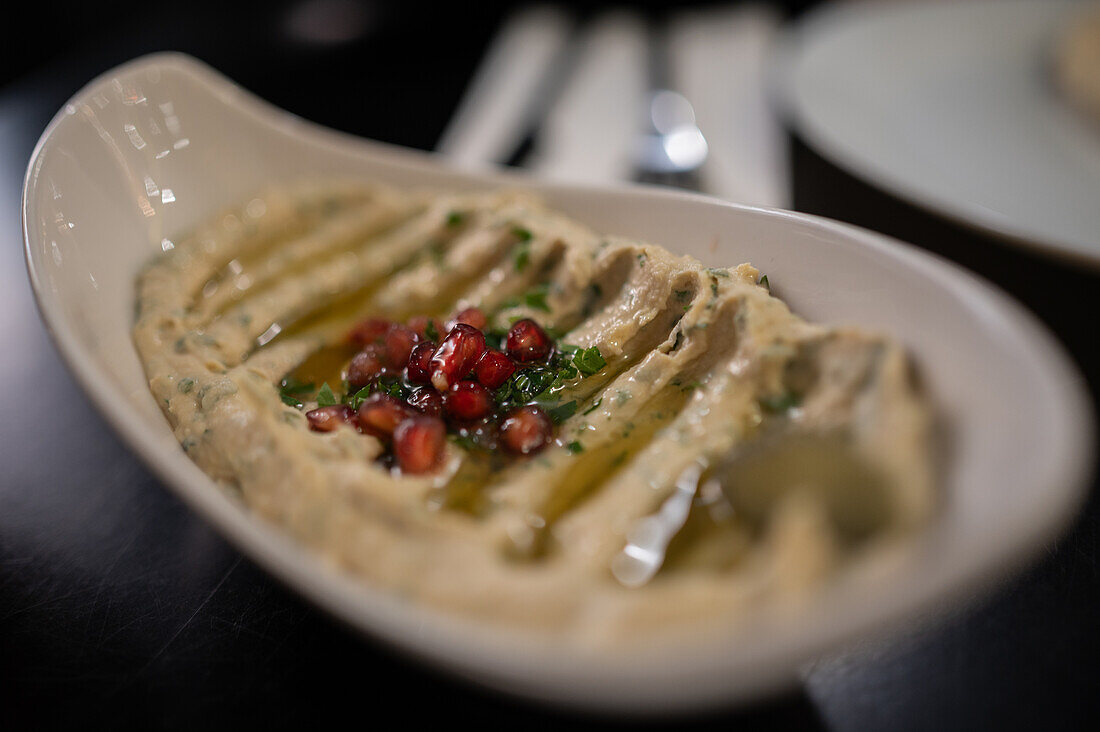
(952,106)
(151,148)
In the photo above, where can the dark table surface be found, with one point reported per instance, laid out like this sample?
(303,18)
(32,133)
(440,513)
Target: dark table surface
(117,604)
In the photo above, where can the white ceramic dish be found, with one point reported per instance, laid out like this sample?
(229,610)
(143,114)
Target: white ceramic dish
(153,147)
(952,106)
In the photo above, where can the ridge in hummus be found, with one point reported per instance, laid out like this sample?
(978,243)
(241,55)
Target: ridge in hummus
(729,454)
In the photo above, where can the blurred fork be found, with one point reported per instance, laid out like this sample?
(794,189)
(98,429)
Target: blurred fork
(670,150)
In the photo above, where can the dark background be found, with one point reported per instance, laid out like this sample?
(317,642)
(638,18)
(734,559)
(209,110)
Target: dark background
(117,605)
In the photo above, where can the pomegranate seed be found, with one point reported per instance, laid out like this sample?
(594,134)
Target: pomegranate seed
(473,317)
(456,355)
(419,325)
(364,368)
(399,342)
(469,400)
(327,419)
(526,430)
(370,330)
(527,341)
(427,400)
(380,414)
(420,363)
(494,368)
(418,444)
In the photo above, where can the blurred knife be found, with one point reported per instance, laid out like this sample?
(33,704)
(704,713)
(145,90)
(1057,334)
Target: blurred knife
(511,90)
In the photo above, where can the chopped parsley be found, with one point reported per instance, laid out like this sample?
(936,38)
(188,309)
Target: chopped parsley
(542,385)
(354,400)
(563,412)
(291,391)
(466,442)
(589,361)
(523,256)
(430,330)
(436,251)
(536,299)
(594,407)
(530,383)
(574,448)
(455,218)
(496,337)
(524,235)
(185,385)
(325,397)
(567,372)
(393,386)
(779,403)
(764,283)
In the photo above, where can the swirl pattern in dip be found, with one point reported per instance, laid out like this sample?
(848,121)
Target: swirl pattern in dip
(728,454)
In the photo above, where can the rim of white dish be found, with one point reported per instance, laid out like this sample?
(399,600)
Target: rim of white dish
(515,662)
(977,218)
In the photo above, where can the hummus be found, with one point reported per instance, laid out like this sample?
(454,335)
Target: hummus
(728,454)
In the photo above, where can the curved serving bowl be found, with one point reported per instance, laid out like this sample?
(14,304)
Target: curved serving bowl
(151,148)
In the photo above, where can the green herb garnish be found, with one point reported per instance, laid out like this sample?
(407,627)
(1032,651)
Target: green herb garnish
(185,385)
(465,442)
(779,403)
(574,448)
(438,253)
(536,299)
(594,407)
(292,386)
(455,218)
(568,350)
(764,283)
(529,383)
(354,400)
(521,233)
(430,332)
(325,397)
(391,385)
(563,412)
(291,390)
(523,256)
(589,361)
